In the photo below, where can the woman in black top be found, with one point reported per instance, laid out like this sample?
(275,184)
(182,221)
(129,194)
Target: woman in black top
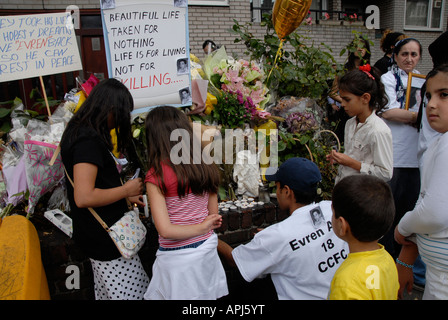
(86,153)
(388,42)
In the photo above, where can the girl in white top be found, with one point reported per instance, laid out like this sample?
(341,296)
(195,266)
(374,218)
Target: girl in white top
(429,219)
(368,140)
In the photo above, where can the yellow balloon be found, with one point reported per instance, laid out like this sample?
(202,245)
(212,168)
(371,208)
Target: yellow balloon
(287,15)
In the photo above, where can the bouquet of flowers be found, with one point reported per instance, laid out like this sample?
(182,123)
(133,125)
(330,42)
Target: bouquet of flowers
(239,88)
(301,122)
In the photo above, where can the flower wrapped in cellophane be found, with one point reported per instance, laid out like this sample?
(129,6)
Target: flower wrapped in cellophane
(239,88)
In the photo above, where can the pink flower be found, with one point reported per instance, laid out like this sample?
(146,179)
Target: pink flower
(263,114)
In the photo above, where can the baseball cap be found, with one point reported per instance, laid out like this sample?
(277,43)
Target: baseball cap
(298,174)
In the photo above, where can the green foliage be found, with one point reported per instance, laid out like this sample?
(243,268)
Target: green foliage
(6,107)
(301,69)
(314,146)
(229,111)
(140,142)
(358,42)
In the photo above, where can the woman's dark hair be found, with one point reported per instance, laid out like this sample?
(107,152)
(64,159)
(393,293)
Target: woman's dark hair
(161,123)
(350,65)
(389,40)
(109,98)
(366,203)
(359,82)
(403,42)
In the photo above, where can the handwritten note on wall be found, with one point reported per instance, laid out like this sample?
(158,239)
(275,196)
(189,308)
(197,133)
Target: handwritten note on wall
(37,45)
(148,51)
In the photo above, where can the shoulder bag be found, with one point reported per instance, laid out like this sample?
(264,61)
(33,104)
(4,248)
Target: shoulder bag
(128,233)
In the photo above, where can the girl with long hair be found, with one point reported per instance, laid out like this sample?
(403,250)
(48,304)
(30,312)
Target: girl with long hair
(182,192)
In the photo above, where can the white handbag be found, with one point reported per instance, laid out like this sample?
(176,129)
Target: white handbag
(128,233)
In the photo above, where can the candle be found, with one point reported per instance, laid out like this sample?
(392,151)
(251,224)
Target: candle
(136,209)
(145,200)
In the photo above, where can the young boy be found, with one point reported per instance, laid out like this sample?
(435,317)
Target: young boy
(363,211)
(301,252)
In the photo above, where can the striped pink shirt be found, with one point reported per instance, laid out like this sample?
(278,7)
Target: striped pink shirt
(190,209)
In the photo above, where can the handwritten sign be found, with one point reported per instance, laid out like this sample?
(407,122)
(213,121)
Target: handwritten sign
(37,45)
(147,49)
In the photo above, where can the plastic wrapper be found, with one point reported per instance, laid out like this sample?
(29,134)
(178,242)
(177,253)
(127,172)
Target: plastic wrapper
(13,161)
(40,144)
(14,175)
(59,199)
(199,95)
(300,114)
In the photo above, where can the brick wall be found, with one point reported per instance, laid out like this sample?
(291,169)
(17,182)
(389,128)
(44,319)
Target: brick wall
(210,22)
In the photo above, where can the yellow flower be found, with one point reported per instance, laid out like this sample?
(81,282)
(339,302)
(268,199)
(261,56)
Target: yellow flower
(113,136)
(82,98)
(194,58)
(210,103)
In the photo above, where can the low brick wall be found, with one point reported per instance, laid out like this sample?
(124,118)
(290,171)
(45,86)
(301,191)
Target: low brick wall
(59,252)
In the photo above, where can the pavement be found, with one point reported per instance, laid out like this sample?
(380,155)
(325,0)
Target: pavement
(416,294)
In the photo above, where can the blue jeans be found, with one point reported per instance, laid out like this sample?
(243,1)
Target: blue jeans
(419,272)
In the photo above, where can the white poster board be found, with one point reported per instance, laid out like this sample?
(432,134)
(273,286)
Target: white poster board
(37,45)
(147,49)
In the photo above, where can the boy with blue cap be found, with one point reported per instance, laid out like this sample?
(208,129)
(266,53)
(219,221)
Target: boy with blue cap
(301,253)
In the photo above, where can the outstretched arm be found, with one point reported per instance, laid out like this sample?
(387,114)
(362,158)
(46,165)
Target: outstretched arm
(225,251)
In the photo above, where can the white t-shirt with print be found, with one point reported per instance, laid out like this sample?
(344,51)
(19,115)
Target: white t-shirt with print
(301,253)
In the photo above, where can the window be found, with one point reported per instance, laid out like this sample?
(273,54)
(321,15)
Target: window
(424,14)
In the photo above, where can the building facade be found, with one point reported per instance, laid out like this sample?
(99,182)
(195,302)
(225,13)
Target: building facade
(212,19)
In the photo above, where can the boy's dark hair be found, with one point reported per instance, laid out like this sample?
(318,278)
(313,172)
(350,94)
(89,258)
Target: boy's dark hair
(303,197)
(367,204)
(358,82)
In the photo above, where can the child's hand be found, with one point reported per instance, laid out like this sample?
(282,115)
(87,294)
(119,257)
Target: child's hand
(330,158)
(212,221)
(335,157)
(340,158)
